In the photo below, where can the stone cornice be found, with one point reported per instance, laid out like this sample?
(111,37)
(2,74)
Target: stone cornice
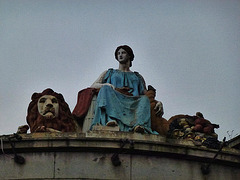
(107,141)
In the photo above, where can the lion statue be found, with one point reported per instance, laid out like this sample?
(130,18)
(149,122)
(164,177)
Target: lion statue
(48,112)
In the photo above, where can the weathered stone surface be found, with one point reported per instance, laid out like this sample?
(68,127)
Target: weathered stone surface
(88,156)
(37,165)
(91,166)
(105,128)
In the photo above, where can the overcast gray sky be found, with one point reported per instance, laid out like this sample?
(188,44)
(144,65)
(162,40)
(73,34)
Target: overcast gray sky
(188,50)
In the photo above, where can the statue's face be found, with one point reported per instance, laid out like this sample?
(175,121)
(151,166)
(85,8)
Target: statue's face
(48,106)
(122,56)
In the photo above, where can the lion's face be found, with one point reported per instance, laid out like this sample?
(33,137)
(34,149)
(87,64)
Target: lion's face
(48,106)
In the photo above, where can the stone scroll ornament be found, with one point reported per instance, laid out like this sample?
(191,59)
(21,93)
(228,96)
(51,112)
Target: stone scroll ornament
(48,112)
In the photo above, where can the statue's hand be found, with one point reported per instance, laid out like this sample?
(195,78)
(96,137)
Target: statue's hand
(159,108)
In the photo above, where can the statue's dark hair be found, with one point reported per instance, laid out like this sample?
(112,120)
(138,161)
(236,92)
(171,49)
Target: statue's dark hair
(129,51)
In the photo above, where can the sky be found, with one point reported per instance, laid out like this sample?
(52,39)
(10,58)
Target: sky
(189,51)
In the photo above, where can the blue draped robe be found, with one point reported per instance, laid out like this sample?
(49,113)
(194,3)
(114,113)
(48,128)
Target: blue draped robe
(127,111)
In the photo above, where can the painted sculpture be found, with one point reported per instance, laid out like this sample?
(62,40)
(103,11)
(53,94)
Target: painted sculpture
(158,123)
(48,112)
(121,100)
(194,128)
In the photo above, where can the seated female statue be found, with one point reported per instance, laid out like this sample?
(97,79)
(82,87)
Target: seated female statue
(121,100)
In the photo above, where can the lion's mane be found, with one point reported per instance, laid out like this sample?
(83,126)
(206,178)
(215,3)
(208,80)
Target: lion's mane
(64,122)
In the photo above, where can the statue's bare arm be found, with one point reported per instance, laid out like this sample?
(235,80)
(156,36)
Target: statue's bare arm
(98,83)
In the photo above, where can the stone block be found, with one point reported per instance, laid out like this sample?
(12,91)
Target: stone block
(91,166)
(105,128)
(37,166)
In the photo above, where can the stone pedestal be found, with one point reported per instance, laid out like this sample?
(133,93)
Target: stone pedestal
(89,156)
(105,128)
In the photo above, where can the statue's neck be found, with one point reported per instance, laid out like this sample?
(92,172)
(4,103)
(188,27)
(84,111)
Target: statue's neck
(124,67)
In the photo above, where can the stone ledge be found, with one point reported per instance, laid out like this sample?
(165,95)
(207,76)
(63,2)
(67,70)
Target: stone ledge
(111,141)
(105,128)
(83,155)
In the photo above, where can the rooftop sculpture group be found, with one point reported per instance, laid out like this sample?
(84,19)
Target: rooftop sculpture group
(122,100)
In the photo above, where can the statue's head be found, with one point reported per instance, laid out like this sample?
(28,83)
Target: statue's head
(49,110)
(128,50)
